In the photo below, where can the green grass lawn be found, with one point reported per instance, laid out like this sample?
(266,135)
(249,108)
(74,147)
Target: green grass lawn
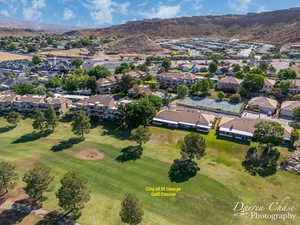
(205,199)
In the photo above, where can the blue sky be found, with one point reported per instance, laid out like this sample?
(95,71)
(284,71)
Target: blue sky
(102,13)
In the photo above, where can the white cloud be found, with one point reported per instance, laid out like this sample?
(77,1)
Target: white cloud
(68,14)
(124,8)
(33,12)
(4,12)
(101,11)
(239,5)
(162,12)
(261,9)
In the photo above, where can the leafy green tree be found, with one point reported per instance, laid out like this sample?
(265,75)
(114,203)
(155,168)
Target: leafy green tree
(253,82)
(296,113)
(72,195)
(81,124)
(236,98)
(213,67)
(193,146)
(124,68)
(294,136)
(202,86)
(99,72)
(287,74)
(37,60)
(182,91)
(24,89)
(39,121)
(261,160)
(131,210)
(236,68)
(77,63)
(166,64)
(127,82)
(221,95)
(269,132)
(51,118)
(37,181)
(263,66)
(13,118)
(141,135)
(155,100)
(8,177)
(182,170)
(53,82)
(137,113)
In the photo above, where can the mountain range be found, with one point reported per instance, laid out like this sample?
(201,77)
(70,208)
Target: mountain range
(279,27)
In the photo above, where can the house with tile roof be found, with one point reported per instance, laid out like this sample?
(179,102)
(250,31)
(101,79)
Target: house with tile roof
(229,84)
(263,105)
(287,107)
(185,119)
(243,129)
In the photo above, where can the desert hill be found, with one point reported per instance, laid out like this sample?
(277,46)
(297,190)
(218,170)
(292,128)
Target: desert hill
(281,26)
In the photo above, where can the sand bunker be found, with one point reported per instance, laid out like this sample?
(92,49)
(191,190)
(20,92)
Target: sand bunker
(89,154)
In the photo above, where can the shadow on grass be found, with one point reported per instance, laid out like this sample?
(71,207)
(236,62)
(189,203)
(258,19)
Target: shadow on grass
(32,137)
(130,153)
(233,140)
(19,210)
(66,144)
(6,129)
(115,131)
(55,218)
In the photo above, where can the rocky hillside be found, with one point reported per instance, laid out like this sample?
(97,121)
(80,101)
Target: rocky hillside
(138,44)
(282,26)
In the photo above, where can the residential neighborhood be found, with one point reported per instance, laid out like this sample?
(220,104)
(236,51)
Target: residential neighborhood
(167,117)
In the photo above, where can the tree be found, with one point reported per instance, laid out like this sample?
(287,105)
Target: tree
(253,82)
(182,170)
(24,89)
(77,63)
(193,146)
(51,118)
(294,136)
(261,160)
(236,98)
(37,60)
(124,68)
(296,113)
(269,132)
(182,91)
(72,195)
(127,82)
(166,64)
(213,67)
(37,181)
(287,74)
(39,121)
(141,135)
(137,113)
(81,124)
(99,72)
(8,177)
(155,100)
(221,95)
(201,86)
(13,118)
(236,68)
(263,66)
(53,82)
(131,210)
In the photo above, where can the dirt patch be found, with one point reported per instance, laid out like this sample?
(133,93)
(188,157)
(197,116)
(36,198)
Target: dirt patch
(89,154)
